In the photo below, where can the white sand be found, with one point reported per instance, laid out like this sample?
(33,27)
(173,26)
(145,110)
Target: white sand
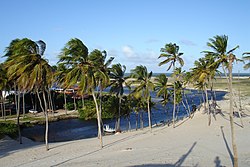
(193,143)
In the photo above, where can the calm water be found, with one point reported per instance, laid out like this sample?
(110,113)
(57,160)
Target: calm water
(74,129)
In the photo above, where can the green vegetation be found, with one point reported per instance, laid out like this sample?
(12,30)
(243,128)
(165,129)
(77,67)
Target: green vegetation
(9,129)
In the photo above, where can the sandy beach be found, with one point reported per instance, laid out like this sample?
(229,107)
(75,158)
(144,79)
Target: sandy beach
(191,143)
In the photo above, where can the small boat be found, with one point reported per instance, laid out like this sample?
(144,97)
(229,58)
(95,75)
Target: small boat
(107,129)
(33,111)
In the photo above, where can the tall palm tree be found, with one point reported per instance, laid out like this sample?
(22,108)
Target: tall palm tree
(162,89)
(172,55)
(117,81)
(82,69)
(98,60)
(30,71)
(225,58)
(145,85)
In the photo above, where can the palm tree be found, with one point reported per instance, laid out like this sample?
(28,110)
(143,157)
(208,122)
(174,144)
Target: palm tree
(30,71)
(179,87)
(82,69)
(162,89)
(60,76)
(172,55)
(98,60)
(225,58)
(200,76)
(246,66)
(117,80)
(143,79)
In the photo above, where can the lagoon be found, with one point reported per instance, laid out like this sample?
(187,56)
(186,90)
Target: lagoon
(74,129)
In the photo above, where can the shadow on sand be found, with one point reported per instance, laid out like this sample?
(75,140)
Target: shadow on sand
(227,146)
(9,145)
(177,164)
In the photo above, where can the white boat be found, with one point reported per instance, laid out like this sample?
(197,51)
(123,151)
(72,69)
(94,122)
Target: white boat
(107,129)
(33,111)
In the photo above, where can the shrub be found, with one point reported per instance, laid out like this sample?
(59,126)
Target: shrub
(9,129)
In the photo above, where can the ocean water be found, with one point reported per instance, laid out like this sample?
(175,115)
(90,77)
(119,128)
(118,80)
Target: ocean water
(222,75)
(73,129)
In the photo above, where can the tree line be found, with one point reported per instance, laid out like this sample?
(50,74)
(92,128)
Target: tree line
(26,70)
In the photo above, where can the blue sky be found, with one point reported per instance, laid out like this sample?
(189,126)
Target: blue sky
(133,31)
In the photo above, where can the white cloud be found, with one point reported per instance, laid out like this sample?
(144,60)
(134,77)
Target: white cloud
(128,51)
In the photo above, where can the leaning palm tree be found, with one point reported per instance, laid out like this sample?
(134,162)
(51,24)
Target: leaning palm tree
(172,55)
(31,71)
(225,58)
(98,60)
(145,85)
(82,69)
(117,81)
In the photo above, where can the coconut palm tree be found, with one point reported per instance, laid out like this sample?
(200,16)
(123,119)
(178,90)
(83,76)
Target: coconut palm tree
(82,69)
(117,81)
(200,76)
(145,85)
(98,60)
(172,55)
(162,89)
(225,58)
(30,71)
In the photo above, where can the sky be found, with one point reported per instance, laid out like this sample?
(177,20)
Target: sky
(132,31)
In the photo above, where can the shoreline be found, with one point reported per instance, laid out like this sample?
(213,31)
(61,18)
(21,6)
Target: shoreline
(191,143)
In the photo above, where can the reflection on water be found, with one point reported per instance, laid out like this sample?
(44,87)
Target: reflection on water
(73,129)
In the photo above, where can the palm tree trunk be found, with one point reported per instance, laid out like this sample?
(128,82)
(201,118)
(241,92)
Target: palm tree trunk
(74,95)
(136,121)
(204,100)
(174,100)
(98,118)
(40,101)
(18,118)
(141,120)
(119,114)
(4,109)
(82,101)
(1,100)
(65,102)
(149,115)
(240,105)
(50,102)
(207,107)
(23,104)
(46,121)
(15,90)
(230,67)
(188,107)
(185,108)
